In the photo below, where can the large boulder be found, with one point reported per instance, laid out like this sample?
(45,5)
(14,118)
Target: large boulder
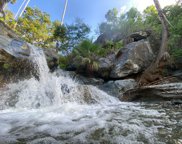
(137,36)
(14,60)
(102,69)
(118,87)
(102,39)
(105,65)
(132,59)
(14,47)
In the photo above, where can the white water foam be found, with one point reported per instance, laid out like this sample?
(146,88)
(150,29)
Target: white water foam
(56,109)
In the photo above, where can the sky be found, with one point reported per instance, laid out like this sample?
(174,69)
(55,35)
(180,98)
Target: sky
(92,12)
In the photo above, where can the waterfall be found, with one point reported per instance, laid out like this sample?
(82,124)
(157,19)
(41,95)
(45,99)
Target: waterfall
(49,89)
(56,109)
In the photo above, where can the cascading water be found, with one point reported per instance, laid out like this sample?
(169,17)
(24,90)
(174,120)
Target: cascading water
(56,110)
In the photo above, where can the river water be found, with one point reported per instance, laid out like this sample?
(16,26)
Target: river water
(58,110)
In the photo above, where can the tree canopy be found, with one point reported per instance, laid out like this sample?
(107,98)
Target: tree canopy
(34,26)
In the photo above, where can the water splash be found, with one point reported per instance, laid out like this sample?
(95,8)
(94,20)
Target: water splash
(49,90)
(56,109)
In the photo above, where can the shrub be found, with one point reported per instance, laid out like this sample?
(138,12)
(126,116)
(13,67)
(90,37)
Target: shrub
(63,61)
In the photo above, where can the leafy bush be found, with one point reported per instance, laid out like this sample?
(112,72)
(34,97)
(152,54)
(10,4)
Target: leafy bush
(176,53)
(63,61)
(87,54)
(87,49)
(174,15)
(6,66)
(111,46)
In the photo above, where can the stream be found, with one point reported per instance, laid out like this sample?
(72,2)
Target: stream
(58,110)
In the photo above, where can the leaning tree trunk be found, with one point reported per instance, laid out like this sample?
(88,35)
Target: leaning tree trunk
(153,72)
(165,33)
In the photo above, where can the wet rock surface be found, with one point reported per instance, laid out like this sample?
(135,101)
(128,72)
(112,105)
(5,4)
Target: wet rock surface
(56,109)
(52,58)
(14,47)
(14,60)
(154,93)
(16,57)
(133,58)
(79,78)
(118,87)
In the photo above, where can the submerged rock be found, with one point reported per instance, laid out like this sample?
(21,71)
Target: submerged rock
(154,93)
(117,88)
(79,78)
(46,140)
(132,59)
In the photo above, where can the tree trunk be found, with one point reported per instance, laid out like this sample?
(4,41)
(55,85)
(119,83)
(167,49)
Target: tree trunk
(154,71)
(64,12)
(2,5)
(165,33)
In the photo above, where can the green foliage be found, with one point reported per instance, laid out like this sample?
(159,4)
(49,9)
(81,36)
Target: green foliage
(151,21)
(6,66)
(9,19)
(112,47)
(111,15)
(60,33)
(174,15)
(70,35)
(63,61)
(133,14)
(176,53)
(124,24)
(85,54)
(111,22)
(13,1)
(104,27)
(87,49)
(34,26)
(133,20)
